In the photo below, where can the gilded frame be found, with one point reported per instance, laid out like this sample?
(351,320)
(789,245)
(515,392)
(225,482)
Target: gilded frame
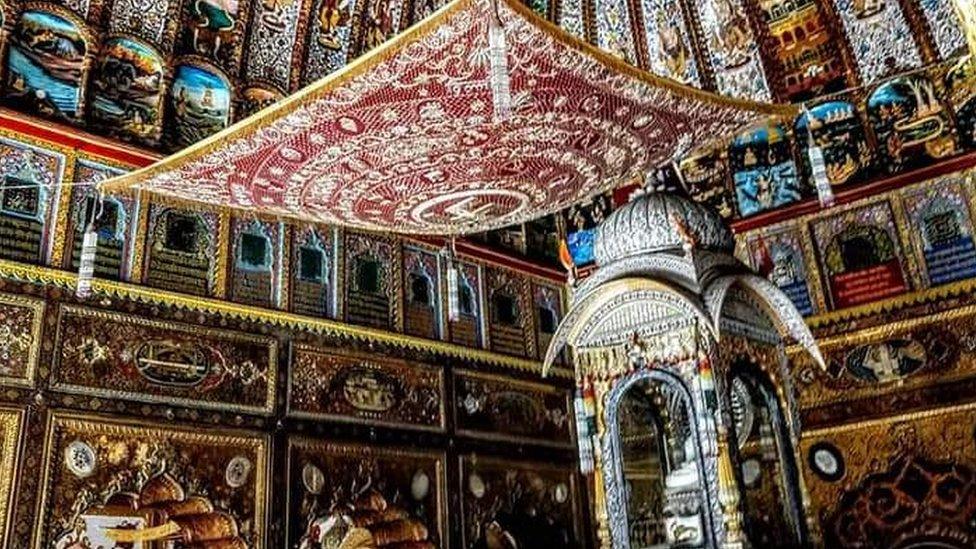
(260,442)
(398,363)
(271,374)
(37,307)
(362,450)
(536,387)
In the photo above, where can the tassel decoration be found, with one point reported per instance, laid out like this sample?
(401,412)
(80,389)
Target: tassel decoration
(89,248)
(86,269)
(818,165)
(453,293)
(820,179)
(501,94)
(583,439)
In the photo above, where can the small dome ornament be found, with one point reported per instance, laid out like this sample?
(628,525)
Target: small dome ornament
(660,221)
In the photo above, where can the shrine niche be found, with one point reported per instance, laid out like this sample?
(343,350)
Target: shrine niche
(763,170)
(509,313)
(104,479)
(861,255)
(20,339)
(517,504)
(910,123)
(705,174)
(47,64)
(778,255)
(493,407)
(421,293)
(350,495)
(198,105)
(11,424)
(943,236)
(960,82)
(113,355)
(372,280)
(666,303)
(327,384)
(112,218)
(806,48)
(468,328)
(838,131)
(548,301)
(29,180)
(313,271)
(127,91)
(256,262)
(670,45)
(181,250)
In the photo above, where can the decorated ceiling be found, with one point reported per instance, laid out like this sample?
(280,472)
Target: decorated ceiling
(166,73)
(407,138)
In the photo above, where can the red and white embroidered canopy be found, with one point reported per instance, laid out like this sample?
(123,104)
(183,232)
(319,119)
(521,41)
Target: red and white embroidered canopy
(403,139)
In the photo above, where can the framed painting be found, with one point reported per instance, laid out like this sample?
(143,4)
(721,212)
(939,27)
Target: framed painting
(21,319)
(352,495)
(107,482)
(332,385)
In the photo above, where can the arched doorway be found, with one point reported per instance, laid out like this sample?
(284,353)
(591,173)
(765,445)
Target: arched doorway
(767,473)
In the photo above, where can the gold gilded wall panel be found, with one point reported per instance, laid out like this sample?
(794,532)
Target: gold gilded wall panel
(21,319)
(495,407)
(895,357)
(108,354)
(11,422)
(378,497)
(897,466)
(534,504)
(365,389)
(195,486)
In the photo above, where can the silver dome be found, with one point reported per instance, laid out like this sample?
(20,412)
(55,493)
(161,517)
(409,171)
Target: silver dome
(647,225)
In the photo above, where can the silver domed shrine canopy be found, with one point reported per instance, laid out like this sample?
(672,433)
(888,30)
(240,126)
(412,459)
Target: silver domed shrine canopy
(406,138)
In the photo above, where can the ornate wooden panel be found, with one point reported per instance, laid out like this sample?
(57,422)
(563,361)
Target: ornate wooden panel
(534,504)
(11,423)
(494,407)
(200,485)
(338,386)
(421,293)
(182,249)
(313,271)
(372,280)
(379,496)
(113,223)
(109,354)
(256,262)
(467,328)
(21,319)
(509,313)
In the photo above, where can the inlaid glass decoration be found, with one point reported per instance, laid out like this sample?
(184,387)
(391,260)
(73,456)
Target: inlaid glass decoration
(669,48)
(423,8)
(733,50)
(960,83)
(328,44)
(613,24)
(570,18)
(910,122)
(381,20)
(540,7)
(806,48)
(942,230)
(880,37)
(838,131)
(763,170)
(273,30)
(778,255)
(944,25)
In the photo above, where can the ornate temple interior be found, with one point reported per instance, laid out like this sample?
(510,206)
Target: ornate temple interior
(487,274)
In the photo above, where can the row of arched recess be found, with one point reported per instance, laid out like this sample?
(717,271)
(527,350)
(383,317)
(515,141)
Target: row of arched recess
(122,87)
